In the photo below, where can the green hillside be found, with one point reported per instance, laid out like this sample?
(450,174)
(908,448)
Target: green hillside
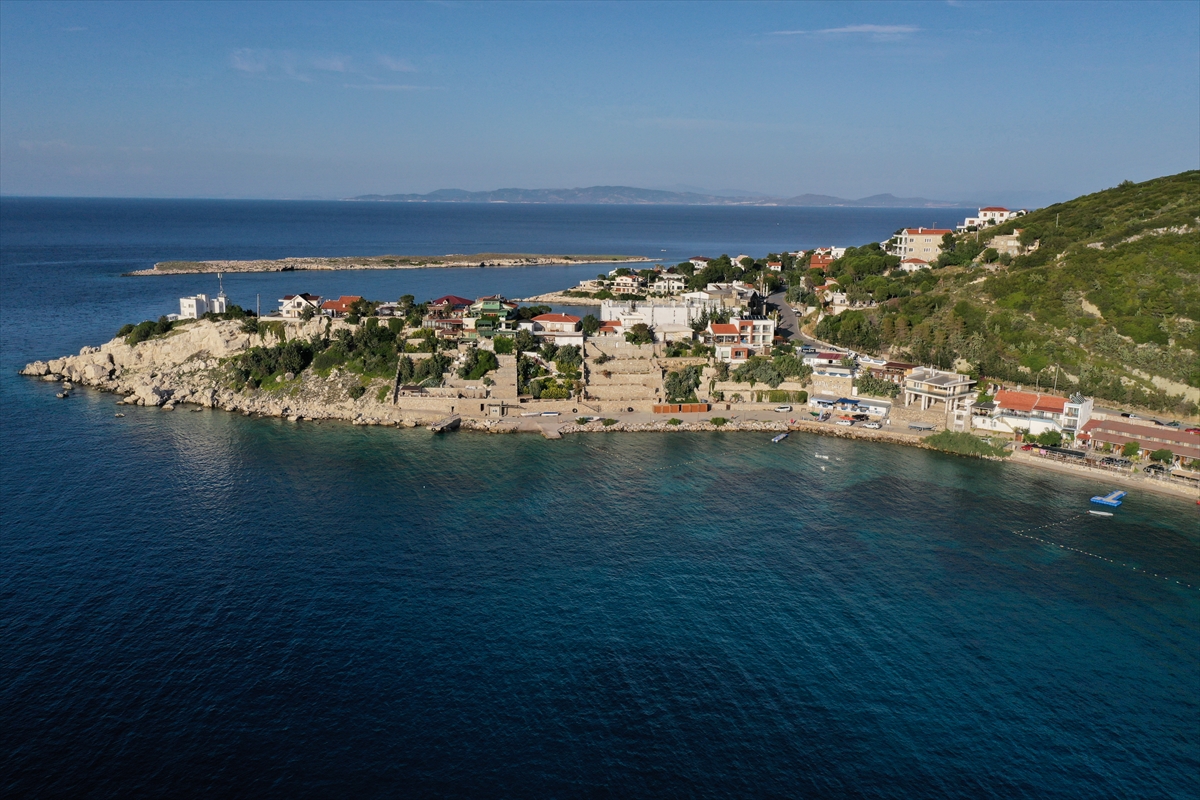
(1109,298)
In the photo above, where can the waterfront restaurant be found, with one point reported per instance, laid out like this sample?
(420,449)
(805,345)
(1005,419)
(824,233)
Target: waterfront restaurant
(1149,437)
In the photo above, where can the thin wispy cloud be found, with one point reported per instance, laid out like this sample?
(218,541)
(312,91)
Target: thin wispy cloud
(387,87)
(268,64)
(332,64)
(395,64)
(877,32)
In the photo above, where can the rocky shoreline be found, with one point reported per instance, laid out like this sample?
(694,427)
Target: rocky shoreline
(476,260)
(189,366)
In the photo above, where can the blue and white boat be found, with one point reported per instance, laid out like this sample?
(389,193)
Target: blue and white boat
(779,438)
(1112,499)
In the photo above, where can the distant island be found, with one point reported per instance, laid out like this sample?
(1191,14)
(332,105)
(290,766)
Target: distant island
(382,262)
(628,195)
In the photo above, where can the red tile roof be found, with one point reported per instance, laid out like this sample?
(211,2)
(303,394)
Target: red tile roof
(723,329)
(1154,433)
(1029,401)
(994,208)
(452,299)
(556,318)
(921,231)
(342,304)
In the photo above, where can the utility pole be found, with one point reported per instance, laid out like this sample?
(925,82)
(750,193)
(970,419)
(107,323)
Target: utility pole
(258,305)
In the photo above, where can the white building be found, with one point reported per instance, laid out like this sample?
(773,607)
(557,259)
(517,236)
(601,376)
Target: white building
(654,313)
(929,386)
(1036,413)
(992,215)
(198,305)
(293,305)
(699,262)
(912,264)
(669,283)
(628,284)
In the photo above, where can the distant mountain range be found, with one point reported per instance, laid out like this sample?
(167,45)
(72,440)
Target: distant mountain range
(628,195)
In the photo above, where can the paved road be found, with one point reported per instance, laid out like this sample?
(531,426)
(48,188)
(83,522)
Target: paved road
(788,325)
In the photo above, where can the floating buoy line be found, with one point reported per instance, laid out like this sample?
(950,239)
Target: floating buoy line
(1024,533)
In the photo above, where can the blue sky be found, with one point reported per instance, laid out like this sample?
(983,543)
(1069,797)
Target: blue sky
(1019,103)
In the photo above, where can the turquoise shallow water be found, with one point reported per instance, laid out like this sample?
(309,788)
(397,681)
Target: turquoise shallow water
(205,603)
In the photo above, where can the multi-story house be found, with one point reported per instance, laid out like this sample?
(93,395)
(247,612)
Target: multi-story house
(294,305)
(1036,413)
(922,243)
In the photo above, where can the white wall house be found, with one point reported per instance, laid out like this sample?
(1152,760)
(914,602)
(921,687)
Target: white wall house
(654,313)
(628,284)
(293,305)
(1011,412)
(198,305)
(992,215)
(669,283)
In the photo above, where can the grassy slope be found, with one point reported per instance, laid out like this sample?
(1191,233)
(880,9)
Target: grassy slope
(1027,322)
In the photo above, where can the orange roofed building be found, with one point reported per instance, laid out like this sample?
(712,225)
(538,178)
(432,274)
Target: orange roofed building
(1033,412)
(341,306)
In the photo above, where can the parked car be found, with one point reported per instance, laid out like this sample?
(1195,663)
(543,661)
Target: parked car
(1109,461)
(1026,447)
(846,422)
(1155,469)
(873,426)
(783,409)
(861,417)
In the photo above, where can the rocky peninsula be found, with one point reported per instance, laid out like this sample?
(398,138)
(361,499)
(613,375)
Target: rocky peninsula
(201,364)
(382,262)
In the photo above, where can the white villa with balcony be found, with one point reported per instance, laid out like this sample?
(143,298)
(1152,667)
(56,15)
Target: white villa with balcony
(1015,412)
(930,386)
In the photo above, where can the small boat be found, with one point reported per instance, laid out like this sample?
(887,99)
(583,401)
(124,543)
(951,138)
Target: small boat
(818,455)
(118,415)
(1112,499)
(779,438)
(1096,513)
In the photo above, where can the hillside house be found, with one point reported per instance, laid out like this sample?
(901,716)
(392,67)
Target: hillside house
(912,264)
(628,284)
(669,283)
(821,261)
(340,307)
(893,371)
(293,306)
(699,262)
(198,305)
(992,215)
(558,328)
(922,243)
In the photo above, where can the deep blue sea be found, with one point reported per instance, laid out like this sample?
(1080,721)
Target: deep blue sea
(207,604)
